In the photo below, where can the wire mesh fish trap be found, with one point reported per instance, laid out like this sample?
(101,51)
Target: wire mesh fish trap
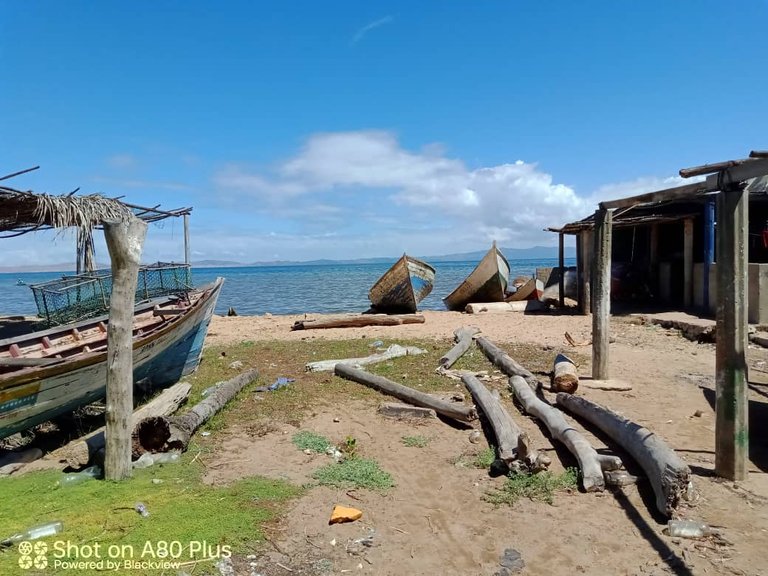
(84,296)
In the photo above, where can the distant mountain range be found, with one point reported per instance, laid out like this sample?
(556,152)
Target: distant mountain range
(534,253)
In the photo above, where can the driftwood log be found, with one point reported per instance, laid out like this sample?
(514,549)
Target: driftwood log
(451,410)
(463,337)
(609,462)
(668,474)
(397,410)
(591,472)
(565,377)
(358,321)
(83,450)
(165,433)
(494,307)
(504,362)
(512,443)
(394,351)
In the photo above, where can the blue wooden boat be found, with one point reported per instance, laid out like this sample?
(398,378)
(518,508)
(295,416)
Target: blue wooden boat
(403,286)
(47,373)
(486,283)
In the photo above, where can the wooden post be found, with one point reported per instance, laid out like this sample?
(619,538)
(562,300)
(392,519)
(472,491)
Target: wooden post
(124,242)
(732,427)
(602,296)
(709,247)
(688,262)
(653,272)
(186,239)
(561,257)
(586,276)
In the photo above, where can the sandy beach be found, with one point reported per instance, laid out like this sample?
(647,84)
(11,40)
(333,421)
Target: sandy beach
(435,521)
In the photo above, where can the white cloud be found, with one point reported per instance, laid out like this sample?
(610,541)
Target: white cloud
(370,26)
(122,161)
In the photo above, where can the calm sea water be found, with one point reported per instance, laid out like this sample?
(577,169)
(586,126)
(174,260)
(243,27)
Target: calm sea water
(287,289)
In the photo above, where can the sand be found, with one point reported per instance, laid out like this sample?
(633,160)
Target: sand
(436,522)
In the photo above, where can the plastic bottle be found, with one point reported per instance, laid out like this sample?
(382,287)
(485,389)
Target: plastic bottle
(144,461)
(141,509)
(688,529)
(167,458)
(78,477)
(35,532)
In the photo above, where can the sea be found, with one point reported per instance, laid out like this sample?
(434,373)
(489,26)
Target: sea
(294,289)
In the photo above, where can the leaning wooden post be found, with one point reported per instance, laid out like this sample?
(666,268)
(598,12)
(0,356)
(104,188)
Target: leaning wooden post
(601,310)
(586,277)
(561,262)
(731,428)
(688,262)
(124,242)
(186,239)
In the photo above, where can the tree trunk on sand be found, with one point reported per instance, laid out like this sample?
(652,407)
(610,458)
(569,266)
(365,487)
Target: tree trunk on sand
(668,474)
(504,362)
(451,410)
(508,433)
(124,242)
(502,307)
(463,337)
(162,434)
(565,378)
(81,451)
(394,351)
(591,472)
(358,321)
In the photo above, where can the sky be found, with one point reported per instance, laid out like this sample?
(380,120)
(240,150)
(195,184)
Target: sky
(305,130)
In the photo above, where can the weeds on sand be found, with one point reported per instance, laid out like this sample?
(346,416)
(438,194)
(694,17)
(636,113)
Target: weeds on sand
(306,440)
(415,441)
(354,473)
(541,487)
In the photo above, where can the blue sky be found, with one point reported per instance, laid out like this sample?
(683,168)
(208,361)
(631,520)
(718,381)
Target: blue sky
(302,130)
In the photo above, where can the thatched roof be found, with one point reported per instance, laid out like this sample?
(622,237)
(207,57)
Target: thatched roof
(22,212)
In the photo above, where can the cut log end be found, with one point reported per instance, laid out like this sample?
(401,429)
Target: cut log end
(150,435)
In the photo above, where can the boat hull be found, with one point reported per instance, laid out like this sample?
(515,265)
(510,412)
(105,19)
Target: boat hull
(34,395)
(486,283)
(403,286)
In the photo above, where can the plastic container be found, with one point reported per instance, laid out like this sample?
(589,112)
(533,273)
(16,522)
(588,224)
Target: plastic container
(688,529)
(79,477)
(144,461)
(35,532)
(167,458)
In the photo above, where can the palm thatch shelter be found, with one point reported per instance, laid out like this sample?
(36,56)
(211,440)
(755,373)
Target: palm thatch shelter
(124,227)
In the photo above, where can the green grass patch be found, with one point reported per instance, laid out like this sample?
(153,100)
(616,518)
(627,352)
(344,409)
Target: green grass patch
(539,487)
(415,441)
(181,509)
(354,473)
(306,440)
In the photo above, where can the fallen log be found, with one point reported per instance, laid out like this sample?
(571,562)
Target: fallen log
(565,377)
(85,449)
(451,410)
(491,307)
(511,443)
(394,351)
(358,321)
(13,461)
(553,419)
(397,410)
(668,474)
(165,433)
(609,463)
(463,337)
(504,362)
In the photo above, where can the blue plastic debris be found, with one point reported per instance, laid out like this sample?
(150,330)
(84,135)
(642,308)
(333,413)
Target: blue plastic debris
(276,385)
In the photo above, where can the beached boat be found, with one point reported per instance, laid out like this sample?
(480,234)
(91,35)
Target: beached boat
(403,286)
(533,289)
(47,373)
(486,283)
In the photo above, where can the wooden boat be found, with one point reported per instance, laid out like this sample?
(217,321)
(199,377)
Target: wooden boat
(486,283)
(531,290)
(47,373)
(403,286)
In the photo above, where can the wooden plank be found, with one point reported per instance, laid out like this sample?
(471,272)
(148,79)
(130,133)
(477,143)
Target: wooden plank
(561,263)
(746,171)
(688,262)
(731,424)
(602,297)
(124,242)
(677,193)
(359,320)
(586,275)
(710,168)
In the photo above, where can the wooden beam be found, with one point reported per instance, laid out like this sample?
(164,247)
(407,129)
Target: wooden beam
(710,168)
(601,316)
(124,242)
(746,171)
(653,272)
(677,193)
(687,262)
(758,154)
(186,240)
(586,275)
(561,262)
(731,427)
